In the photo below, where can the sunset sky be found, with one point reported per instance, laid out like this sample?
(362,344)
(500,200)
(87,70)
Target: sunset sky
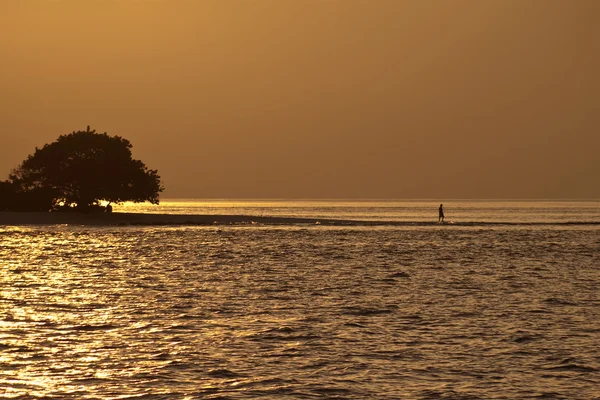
(316,98)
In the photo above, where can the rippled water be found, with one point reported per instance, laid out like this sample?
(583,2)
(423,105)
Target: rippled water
(437,312)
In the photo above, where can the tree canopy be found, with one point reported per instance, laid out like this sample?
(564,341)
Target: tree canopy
(80,170)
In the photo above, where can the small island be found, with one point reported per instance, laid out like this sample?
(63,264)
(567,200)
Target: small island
(82,172)
(76,180)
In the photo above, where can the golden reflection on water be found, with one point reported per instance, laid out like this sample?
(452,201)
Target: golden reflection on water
(250,312)
(47,293)
(69,306)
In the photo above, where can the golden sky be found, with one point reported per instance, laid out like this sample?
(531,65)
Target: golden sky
(316,98)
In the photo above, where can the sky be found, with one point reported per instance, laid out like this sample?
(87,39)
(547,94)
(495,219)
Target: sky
(399,99)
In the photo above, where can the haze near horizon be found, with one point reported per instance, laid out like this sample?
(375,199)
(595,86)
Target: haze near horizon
(316,98)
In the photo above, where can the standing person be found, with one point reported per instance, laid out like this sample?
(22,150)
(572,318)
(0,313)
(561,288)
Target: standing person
(441,215)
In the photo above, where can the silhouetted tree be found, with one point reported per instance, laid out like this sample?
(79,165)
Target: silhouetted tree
(13,198)
(83,168)
(7,196)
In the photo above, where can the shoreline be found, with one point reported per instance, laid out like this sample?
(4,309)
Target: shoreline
(123,219)
(9,218)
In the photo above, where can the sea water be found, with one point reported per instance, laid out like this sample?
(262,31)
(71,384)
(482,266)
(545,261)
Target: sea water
(504,304)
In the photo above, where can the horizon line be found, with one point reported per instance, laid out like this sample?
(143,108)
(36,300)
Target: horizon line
(435,199)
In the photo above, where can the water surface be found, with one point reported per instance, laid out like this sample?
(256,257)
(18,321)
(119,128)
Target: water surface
(427,312)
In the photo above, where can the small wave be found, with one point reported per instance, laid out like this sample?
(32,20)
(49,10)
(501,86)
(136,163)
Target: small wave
(91,328)
(526,338)
(447,395)
(332,391)
(354,325)
(268,382)
(559,302)
(467,314)
(288,353)
(572,367)
(18,348)
(539,311)
(59,306)
(285,334)
(282,329)
(223,373)
(91,380)
(360,311)
(550,395)
(182,327)
(400,274)
(26,386)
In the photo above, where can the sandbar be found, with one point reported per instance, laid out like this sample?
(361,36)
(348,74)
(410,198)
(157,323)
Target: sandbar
(124,219)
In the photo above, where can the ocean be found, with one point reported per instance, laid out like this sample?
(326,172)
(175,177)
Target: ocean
(503,302)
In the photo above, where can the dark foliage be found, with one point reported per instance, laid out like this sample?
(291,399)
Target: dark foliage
(13,198)
(80,170)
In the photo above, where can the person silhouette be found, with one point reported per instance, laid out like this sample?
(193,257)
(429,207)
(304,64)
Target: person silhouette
(441,215)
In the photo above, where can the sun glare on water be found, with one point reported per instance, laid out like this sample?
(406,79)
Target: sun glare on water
(46,296)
